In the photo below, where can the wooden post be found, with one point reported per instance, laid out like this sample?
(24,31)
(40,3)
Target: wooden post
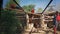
(44,26)
(1,4)
(27,18)
(42,19)
(42,22)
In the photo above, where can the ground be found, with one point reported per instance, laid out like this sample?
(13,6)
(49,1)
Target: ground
(49,31)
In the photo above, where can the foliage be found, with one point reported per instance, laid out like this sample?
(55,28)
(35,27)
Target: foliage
(11,2)
(28,8)
(39,10)
(8,23)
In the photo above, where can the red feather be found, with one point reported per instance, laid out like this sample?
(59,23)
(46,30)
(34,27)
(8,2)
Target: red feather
(32,11)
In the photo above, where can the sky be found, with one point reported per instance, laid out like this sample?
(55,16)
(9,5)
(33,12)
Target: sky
(38,3)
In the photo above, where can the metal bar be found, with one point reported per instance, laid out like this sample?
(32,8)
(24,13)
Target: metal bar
(17,3)
(47,6)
